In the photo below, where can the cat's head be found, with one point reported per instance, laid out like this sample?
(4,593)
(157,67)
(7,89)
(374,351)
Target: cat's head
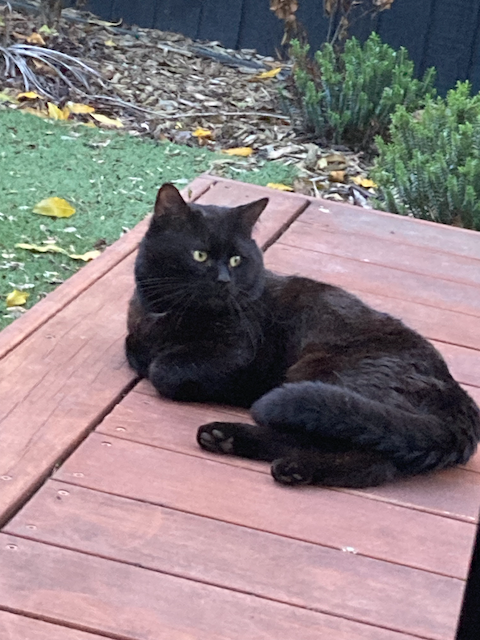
(199,255)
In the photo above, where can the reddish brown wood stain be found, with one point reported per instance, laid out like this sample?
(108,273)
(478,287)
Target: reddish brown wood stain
(140,535)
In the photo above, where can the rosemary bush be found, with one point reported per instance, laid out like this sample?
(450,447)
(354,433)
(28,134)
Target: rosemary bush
(430,168)
(349,97)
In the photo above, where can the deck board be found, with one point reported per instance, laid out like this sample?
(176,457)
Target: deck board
(251,498)
(131,602)
(259,563)
(141,535)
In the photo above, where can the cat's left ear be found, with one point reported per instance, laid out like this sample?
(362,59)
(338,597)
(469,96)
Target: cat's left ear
(249,213)
(169,202)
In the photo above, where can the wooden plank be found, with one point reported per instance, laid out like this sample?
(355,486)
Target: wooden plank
(384,251)
(220,490)
(55,301)
(340,217)
(373,278)
(278,215)
(60,382)
(16,627)
(464,363)
(326,580)
(87,591)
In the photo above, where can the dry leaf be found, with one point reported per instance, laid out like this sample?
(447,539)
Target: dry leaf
(35,38)
(279,186)
(266,74)
(53,248)
(336,176)
(16,298)
(239,151)
(364,182)
(55,207)
(108,122)
(86,257)
(202,133)
(109,43)
(56,113)
(44,248)
(78,107)
(336,157)
(28,95)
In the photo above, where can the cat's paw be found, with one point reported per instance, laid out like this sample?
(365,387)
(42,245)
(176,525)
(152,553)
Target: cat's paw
(291,472)
(216,437)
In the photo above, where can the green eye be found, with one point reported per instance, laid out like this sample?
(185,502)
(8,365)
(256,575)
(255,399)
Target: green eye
(200,256)
(235,261)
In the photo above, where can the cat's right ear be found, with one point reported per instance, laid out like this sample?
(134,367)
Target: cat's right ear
(169,202)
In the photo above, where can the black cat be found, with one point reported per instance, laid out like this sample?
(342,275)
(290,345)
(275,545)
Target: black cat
(341,394)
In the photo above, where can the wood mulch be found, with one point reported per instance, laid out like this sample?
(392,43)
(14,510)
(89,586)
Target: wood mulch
(114,524)
(176,86)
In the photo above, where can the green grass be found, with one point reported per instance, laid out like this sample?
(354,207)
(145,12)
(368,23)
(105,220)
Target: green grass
(111,178)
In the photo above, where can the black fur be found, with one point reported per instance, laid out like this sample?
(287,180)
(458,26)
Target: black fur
(341,394)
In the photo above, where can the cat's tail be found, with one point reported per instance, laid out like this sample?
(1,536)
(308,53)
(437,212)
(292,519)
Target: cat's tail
(415,441)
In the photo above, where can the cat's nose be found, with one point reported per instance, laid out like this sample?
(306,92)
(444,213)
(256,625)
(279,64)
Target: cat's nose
(223,274)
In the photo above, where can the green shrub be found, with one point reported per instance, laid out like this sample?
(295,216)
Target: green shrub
(431,167)
(349,97)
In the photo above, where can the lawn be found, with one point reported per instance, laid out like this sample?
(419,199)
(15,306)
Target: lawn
(109,177)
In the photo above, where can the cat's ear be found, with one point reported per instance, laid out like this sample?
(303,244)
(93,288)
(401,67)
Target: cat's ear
(249,213)
(169,202)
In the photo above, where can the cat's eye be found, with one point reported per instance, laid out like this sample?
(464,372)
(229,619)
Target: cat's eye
(235,261)
(200,256)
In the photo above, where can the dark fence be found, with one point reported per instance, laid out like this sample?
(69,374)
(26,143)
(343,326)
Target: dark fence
(438,33)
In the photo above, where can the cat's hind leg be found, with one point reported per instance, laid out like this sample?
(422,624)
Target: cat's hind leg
(354,469)
(245,440)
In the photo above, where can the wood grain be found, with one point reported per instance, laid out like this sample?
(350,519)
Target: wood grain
(209,487)
(340,217)
(17,627)
(134,603)
(213,552)
(384,251)
(59,382)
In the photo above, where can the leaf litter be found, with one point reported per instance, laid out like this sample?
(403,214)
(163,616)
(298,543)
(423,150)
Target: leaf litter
(166,86)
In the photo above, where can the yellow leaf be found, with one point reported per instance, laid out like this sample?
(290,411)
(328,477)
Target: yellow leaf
(109,43)
(78,107)
(266,74)
(56,113)
(28,95)
(53,248)
(202,133)
(48,31)
(35,38)
(239,151)
(108,122)
(37,248)
(364,182)
(279,186)
(336,176)
(55,207)
(90,255)
(16,298)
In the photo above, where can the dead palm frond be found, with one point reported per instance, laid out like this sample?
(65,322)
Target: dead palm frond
(64,69)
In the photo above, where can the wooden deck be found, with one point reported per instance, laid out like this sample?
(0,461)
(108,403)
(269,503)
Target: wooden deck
(114,524)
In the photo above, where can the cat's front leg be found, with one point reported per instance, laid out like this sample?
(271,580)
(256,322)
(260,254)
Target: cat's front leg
(193,374)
